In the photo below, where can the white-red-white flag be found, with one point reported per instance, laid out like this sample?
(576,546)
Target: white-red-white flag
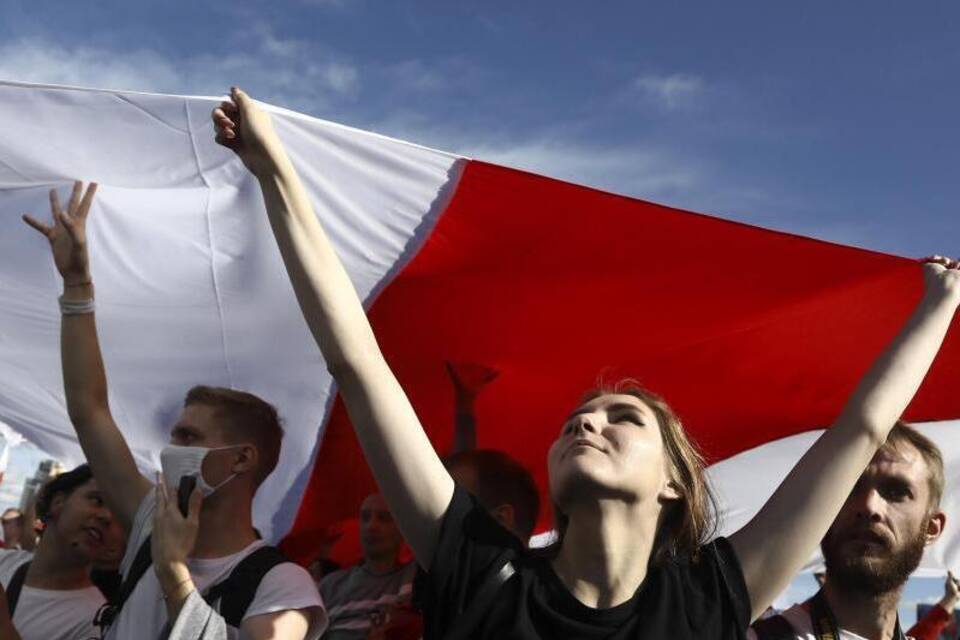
(754,336)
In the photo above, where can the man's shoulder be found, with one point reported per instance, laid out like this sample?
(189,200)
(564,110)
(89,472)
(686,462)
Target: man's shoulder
(288,586)
(15,555)
(10,561)
(793,623)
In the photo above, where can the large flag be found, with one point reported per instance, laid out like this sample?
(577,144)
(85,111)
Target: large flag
(756,337)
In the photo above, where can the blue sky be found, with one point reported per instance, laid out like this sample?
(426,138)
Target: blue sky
(831,120)
(826,119)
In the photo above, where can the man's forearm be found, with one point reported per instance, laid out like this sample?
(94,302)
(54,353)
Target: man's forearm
(85,387)
(176,584)
(465,427)
(84,378)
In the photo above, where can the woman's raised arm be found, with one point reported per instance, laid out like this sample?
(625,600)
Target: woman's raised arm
(410,474)
(779,540)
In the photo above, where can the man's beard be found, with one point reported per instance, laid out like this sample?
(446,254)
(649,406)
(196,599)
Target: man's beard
(871,575)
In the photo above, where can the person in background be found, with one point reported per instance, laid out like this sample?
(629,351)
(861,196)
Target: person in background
(372,599)
(320,563)
(55,599)
(468,380)
(503,486)
(500,483)
(105,572)
(874,544)
(12,521)
(932,625)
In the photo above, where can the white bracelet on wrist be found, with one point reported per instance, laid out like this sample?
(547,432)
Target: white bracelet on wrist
(76,307)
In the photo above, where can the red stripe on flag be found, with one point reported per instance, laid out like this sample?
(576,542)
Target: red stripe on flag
(750,334)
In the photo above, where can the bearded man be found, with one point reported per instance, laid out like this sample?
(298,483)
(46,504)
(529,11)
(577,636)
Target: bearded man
(875,543)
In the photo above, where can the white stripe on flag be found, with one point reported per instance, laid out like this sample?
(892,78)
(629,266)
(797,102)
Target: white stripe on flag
(190,286)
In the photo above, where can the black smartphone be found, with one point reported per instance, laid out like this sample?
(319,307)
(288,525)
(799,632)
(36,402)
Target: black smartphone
(187,484)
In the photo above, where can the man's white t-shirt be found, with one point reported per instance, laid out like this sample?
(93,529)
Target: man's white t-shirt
(144,615)
(799,618)
(50,614)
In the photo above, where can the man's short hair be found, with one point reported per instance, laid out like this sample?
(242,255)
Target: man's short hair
(502,480)
(11,513)
(245,418)
(65,484)
(930,453)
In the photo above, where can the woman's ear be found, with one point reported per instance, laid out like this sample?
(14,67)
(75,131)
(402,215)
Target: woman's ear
(56,506)
(670,491)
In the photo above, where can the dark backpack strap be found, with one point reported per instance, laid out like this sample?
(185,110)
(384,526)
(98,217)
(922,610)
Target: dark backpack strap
(727,587)
(479,606)
(237,591)
(141,562)
(14,586)
(774,628)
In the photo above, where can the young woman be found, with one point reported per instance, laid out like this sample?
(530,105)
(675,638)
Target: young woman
(633,561)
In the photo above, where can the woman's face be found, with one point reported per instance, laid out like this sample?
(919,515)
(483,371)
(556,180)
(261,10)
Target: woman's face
(610,447)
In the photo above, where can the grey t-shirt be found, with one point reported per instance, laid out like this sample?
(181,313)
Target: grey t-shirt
(355,597)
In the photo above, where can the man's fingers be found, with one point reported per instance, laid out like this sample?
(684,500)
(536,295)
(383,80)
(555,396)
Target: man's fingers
(54,202)
(87,200)
(36,224)
(193,507)
(75,197)
(163,497)
(70,224)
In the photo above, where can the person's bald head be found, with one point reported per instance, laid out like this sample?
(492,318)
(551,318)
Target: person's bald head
(379,535)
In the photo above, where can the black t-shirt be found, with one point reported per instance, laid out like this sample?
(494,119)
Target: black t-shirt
(679,599)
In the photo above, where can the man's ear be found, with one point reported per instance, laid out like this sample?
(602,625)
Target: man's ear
(247,458)
(505,515)
(936,521)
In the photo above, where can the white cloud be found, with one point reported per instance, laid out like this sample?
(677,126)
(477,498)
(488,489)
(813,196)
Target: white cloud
(634,171)
(417,75)
(672,92)
(643,171)
(37,60)
(295,74)
(288,72)
(342,78)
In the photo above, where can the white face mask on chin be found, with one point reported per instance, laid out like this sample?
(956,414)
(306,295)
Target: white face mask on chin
(182,462)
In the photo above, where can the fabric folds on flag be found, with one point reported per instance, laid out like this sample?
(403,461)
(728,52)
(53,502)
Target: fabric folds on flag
(756,337)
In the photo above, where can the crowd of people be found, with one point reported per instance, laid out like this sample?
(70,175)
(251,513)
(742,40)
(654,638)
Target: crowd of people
(635,553)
